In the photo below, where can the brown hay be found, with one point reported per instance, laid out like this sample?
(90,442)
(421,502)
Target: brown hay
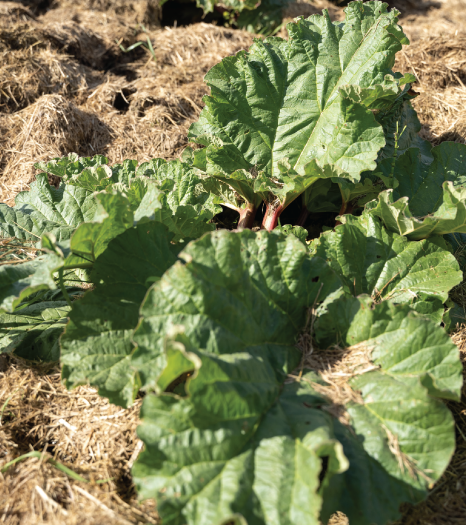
(307,8)
(25,76)
(13,13)
(439,62)
(95,439)
(50,127)
(163,100)
(337,366)
(130,12)
(443,17)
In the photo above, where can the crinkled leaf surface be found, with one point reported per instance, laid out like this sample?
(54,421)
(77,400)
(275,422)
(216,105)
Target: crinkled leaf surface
(299,232)
(429,198)
(70,165)
(240,448)
(19,281)
(96,347)
(281,101)
(370,259)
(403,435)
(380,96)
(237,292)
(401,127)
(187,189)
(113,216)
(46,209)
(33,332)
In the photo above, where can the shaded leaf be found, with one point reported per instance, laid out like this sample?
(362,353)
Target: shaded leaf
(237,292)
(428,199)
(369,259)
(33,332)
(96,347)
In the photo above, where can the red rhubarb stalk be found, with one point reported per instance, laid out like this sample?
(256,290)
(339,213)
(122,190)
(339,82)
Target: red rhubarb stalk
(271,217)
(247,216)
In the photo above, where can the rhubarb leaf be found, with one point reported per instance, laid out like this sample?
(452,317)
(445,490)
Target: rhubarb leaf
(280,103)
(33,332)
(19,281)
(237,292)
(241,448)
(45,209)
(70,165)
(369,259)
(428,199)
(402,435)
(96,347)
(401,127)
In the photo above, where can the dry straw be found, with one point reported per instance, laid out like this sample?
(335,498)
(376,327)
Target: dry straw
(65,85)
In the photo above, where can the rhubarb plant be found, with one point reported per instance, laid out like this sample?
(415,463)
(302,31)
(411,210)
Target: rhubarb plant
(286,114)
(288,373)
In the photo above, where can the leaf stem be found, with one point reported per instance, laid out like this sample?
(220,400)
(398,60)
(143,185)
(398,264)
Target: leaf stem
(271,216)
(63,287)
(247,216)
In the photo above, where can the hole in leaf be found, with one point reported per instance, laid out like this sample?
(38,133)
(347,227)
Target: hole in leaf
(315,279)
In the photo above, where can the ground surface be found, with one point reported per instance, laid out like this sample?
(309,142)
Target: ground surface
(65,85)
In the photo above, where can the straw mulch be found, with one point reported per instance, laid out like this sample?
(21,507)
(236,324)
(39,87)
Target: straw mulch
(66,85)
(437,56)
(67,62)
(79,429)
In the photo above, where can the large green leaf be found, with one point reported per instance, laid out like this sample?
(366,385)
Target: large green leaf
(401,127)
(427,199)
(33,332)
(45,209)
(241,449)
(187,208)
(19,281)
(96,347)
(113,216)
(403,434)
(187,188)
(70,165)
(237,292)
(369,259)
(279,109)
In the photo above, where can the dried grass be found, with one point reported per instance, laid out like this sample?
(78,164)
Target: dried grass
(437,56)
(158,106)
(142,109)
(13,13)
(443,17)
(51,127)
(337,366)
(307,8)
(25,76)
(130,12)
(80,429)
